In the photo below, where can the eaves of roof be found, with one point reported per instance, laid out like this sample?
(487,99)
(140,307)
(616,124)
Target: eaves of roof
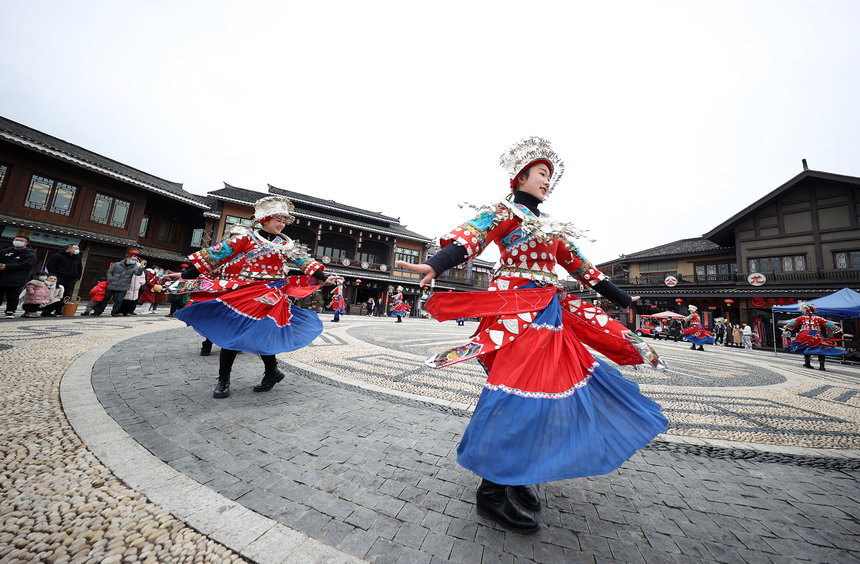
(676,249)
(725,230)
(390,231)
(161,254)
(248,197)
(329,204)
(68,231)
(24,136)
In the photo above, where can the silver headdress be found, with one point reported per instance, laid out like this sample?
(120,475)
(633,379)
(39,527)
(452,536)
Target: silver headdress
(692,308)
(274,205)
(806,307)
(527,151)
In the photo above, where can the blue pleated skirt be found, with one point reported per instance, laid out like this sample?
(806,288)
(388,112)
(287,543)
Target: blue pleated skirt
(516,440)
(258,319)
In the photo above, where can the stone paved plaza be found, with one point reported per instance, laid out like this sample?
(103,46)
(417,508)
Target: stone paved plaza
(115,451)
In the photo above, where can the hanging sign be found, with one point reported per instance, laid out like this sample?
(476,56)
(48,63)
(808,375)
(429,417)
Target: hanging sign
(671,281)
(756,279)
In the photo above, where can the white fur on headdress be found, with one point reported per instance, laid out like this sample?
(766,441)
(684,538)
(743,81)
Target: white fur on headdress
(273,206)
(691,307)
(235,230)
(806,307)
(400,288)
(527,151)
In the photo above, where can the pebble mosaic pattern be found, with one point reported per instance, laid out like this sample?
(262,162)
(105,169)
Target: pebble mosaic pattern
(58,503)
(375,475)
(721,393)
(375,487)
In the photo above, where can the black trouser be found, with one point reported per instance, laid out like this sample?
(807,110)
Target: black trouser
(10,295)
(227,356)
(55,308)
(67,284)
(117,295)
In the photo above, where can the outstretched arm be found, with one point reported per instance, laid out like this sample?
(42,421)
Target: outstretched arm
(424,269)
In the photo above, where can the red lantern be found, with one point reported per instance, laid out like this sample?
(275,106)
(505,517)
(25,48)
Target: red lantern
(357,281)
(679,301)
(729,301)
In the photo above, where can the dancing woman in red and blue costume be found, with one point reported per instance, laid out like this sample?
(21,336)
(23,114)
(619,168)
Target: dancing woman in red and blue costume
(549,409)
(695,333)
(811,338)
(401,308)
(338,304)
(241,294)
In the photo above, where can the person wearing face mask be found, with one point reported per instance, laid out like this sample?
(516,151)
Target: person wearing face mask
(35,295)
(119,281)
(16,263)
(54,306)
(66,265)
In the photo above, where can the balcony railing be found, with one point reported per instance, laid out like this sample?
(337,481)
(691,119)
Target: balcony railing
(806,276)
(382,267)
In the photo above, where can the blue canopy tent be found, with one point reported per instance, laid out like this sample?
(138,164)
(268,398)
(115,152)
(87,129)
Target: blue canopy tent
(844,304)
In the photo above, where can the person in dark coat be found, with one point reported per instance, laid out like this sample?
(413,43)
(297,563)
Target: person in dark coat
(66,266)
(16,264)
(119,281)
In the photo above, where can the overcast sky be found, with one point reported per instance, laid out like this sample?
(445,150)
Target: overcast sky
(670,116)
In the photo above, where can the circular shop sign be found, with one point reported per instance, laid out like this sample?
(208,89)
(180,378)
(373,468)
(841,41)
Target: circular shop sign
(756,279)
(671,281)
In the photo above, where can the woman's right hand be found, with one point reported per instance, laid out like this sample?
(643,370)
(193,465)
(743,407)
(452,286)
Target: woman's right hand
(425,269)
(172,276)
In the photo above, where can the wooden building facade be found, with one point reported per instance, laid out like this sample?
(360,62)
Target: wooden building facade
(58,194)
(800,241)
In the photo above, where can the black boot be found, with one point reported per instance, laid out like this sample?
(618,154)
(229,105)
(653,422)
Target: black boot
(493,503)
(693,347)
(807,361)
(206,348)
(222,390)
(270,378)
(526,496)
(399,319)
(820,362)
(700,348)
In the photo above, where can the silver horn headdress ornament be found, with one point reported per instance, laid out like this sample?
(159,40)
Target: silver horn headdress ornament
(531,150)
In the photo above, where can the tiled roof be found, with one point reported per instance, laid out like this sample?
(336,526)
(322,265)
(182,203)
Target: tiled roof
(161,254)
(382,224)
(24,136)
(68,231)
(724,232)
(695,246)
(331,204)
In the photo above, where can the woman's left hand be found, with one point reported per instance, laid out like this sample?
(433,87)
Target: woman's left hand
(332,280)
(172,276)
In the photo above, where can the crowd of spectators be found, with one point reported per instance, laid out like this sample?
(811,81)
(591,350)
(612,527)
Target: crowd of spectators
(128,284)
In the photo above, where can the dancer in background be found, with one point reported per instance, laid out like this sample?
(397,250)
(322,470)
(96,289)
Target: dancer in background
(401,308)
(549,410)
(811,337)
(337,303)
(695,333)
(247,308)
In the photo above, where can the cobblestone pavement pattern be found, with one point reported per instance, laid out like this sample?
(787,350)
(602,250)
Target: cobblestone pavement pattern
(333,454)
(58,503)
